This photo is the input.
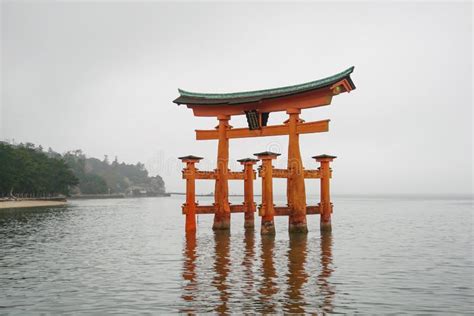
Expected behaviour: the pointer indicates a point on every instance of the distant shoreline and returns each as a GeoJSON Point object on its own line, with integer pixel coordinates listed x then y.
{"type": "Point", "coordinates": [50, 202]}
{"type": "Point", "coordinates": [31, 203]}
{"type": "Point", "coordinates": [113, 196]}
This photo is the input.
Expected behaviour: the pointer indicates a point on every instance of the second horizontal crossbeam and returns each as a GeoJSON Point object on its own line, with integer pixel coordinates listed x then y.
{"type": "Point", "coordinates": [240, 208]}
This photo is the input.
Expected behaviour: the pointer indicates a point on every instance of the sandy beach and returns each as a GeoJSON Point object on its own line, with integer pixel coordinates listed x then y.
{"type": "Point", "coordinates": [30, 203]}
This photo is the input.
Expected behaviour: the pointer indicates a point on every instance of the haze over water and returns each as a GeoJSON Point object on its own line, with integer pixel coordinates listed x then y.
{"type": "Point", "coordinates": [385, 255]}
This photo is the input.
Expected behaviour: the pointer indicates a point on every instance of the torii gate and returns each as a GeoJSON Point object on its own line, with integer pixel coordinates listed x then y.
{"type": "Point", "coordinates": [257, 105]}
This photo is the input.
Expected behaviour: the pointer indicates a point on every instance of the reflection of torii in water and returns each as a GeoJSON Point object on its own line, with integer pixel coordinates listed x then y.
{"type": "Point", "coordinates": [327, 290]}
{"type": "Point", "coordinates": [264, 300]}
{"type": "Point", "coordinates": [297, 275]}
{"type": "Point", "coordinates": [268, 287]}
{"type": "Point", "coordinates": [190, 289]}
{"type": "Point", "coordinates": [222, 269]}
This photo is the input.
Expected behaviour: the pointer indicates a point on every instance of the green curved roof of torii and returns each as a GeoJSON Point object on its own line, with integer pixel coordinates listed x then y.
{"type": "Point", "coordinates": [187, 97]}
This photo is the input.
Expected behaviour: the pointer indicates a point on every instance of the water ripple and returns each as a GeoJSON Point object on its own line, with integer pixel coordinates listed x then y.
{"type": "Point", "coordinates": [385, 256]}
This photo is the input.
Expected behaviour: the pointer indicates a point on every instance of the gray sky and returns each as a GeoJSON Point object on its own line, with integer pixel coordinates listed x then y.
{"type": "Point", "coordinates": [102, 76]}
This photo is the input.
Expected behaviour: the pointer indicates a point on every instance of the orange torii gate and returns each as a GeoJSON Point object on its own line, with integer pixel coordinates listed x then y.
{"type": "Point", "coordinates": [257, 105]}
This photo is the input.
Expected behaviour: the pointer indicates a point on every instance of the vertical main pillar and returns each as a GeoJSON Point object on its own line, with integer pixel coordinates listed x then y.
{"type": "Point", "coordinates": [221, 191]}
{"type": "Point", "coordinates": [189, 173]}
{"type": "Point", "coordinates": [296, 195]}
{"type": "Point", "coordinates": [249, 204]}
{"type": "Point", "coordinates": [267, 209]}
{"type": "Point", "coordinates": [325, 205]}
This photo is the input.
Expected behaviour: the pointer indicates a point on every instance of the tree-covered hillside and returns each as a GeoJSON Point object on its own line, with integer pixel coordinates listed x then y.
{"type": "Point", "coordinates": [100, 176]}
{"type": "Point", "coordinates": [26, 169]}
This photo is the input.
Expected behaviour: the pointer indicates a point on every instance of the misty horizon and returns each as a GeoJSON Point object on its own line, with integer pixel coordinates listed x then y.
{"type": "Point", "coordinates": [72, 79]}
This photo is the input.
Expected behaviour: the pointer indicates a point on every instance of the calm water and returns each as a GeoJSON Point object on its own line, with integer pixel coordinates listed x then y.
{"type": "Point", "coordinates": [131, 255]}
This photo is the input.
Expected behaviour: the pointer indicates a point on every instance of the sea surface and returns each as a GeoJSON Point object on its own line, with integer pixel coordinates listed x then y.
{"type": "Point", "coordinates": [386, 255]}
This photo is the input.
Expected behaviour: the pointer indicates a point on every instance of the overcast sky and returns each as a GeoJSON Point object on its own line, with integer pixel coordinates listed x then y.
{"type": "Point", "coordinates": [101, 77]}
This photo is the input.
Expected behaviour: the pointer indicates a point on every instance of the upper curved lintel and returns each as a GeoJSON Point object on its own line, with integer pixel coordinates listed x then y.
{"type": "Point", "coordinates": [187, 97]}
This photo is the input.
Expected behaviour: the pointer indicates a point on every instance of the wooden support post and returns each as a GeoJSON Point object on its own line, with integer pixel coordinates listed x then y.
{"type": "Point", "coordinates": [267, 209]}
{"type": "Point", "coordinates": [249, 204]}
{"type": "Point", "coordinates": [221, 191]}
{"type": "Point", "coordinates": [325, 205]}
{"type": "Point", "coordinates": [190, 205]}
{"type": "Point", "coordinates": [296, 195]}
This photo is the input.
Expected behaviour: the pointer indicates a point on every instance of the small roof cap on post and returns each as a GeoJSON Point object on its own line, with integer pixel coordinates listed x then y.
{"type": "Point", "coordinates": [324, 157]}
{"type": "Point", "coordinates": [267, 154]}
{"type": "Point", "coordinates": [244, 160]}
{"type": "Point", "coordinates": [190, 158]}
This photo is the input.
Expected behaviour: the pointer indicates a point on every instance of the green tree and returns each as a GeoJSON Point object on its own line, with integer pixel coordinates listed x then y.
{"type": "Point", "coordinates": [26, 169]}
